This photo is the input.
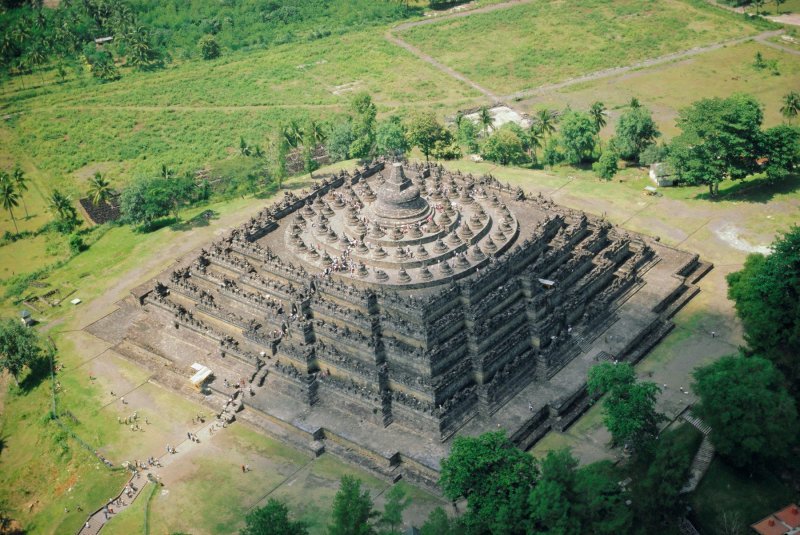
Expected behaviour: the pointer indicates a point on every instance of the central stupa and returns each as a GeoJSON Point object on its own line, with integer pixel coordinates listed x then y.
{"type": "Point", "coordinates": [399, 202]}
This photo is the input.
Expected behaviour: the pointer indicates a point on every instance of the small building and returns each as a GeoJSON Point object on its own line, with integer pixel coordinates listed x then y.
{"type": "Point", "coordinates": [100, 41]}
{"type": "Point", "coordinates": [26, 318]}
{"type": "Point", "coordinates": [662, 174]}
{"type": "Point", "coordinates": [783, 522]}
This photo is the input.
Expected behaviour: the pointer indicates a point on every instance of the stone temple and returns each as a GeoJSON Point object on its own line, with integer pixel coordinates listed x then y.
{"type": "Point", "coordinates": [385, 311]}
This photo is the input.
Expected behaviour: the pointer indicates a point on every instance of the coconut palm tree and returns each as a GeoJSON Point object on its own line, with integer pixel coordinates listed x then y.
{"type": "Point", "coordinates": [791, 105]}
{"type": "Point", "coordinates": [9, 197]}
{"type": "Point", "coordinates": [598, 113]}
{"type": "Point", "coordinates": [61, 205]}
{"type": "Point", "coordinates": [485, 119]}
{"type": "Point", "coordinates": [545, 123]}
{"type": "Point", "coordinates": [292, 134]}
{"type": "Point", "coordinates": [99, 189]}
{"type": "Point", "coordinates": [21, 184]}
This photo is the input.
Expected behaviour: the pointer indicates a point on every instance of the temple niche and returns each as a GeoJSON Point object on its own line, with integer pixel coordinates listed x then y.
{"type": "Point", "coordinates": [388, 309]}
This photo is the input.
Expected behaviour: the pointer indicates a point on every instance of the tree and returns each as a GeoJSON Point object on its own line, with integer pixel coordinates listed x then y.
{"type": "Point", "coordinates": [352, 509]}
{"type": "Point", "coordinates": [606, 167]}
{"type": "Point", "coordinates": [744, 401]}
{"type": "Point", "coordinates": [719, 140]}
{"type": "Point", "coordinates": [552, 499]}
{"type": "Point", "coordinates": [766, 293]}
{"type": "Point", "coordinates": [278, 160]}
{"type": "Point", "coordinates": [99, 189]}
{"type": "Point", "coordinates": [629, 407]}
{"type": "Point", "coordinates": [19, 347]}
{"type": "Point", "coordinates": [146, 200]}
{"type": "Point", "coordinates": [438, 523]}
{"type": "Point", "coordinates": [791, 105]}
{"type": "Point", "coordinates": [467, 135]}
{"type": "Point", "coordinates": [390, 138]}
{"type": "Point", "coordinates": [505, 147]}
{"type": "Point", "coordinates": [61, 205]}
{"type": "Point", "coordinates": [600, 501]}
{"type": "Point", "coordinates": [496, 478]}
{"type": "Point", "coordinates": [21, 185]}
{"type": "Point", "coordinates": [577, 136]}
{"type": "Point", "coordinates": [658, 494]}
{"type": "Point", "coordinates": [272, 519]}
{"type": "Point", "coordinates": [598, 114]}
{"type": "Point", "coordinates": [364, 114]}
{"type": "Point", "coordinates": [339, 140]}
{"type": "Point", "coordinates": [423, 131]}
{"type": "Point", "coordinates": [396, 503]}
{"type": "Point", "coordinates": [209, 47]}
{"type": "Point", "coordinates": [485, 119]}
{"type": "Point", "coordinates": [9, 197]}
{"type": "Point", "coordinates": [778, 6]}
{"type": "Point", "coordinates": [545, 123]}
{"type": "Point", "coordinates": [636, 130]}
{"type": "Point", "coordinates": [758, 4]}
{"type": "Point", "coordinates": [781, 151]}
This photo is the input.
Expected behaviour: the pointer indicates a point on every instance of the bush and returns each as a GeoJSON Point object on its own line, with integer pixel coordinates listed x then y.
{"type": "Point", "coordinates": [606, 167]}
{"type": "Point", "coordinates": [505, 147]}
{"type": "Point", "coordinates": [76, 244]}
{"type": "Point", "coordinates": [653, 154]}
{"type": "Point", "coordinates": [209, 47]}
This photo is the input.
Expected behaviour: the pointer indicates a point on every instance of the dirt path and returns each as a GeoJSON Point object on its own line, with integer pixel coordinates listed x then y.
{"type": "Point", "coordinates": [605, 73]}
{"type": "Point", "coordinates": [97, 520]}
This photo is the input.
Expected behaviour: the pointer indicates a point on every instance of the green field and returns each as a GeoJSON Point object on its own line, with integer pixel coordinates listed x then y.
{"type": "Point", "coordinates": [668, 88]}
{"type": "Point", "coordinates": [545, 42]}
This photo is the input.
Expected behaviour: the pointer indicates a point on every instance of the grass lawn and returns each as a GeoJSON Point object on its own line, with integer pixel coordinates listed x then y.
{"type": "Point", "coordinates": [544, 42]}
{"type": "Point", "coordinates": [744, 499]}
{"type": "Point", "coordinates": [666, 89]}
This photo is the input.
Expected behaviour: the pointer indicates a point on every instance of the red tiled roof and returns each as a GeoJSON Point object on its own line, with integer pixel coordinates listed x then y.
{"type": "Point", "coordinates": [790, 515]}
{"type": "Point", "coordinates": [770, 526]}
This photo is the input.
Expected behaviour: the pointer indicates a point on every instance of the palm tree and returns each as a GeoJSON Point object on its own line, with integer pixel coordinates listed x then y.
{"type": "Point", "coordinates": [292, 134]}
{"type": "Point", "coordinates": [758, 5]}
{"type": "Point", "coordinates": [485, 119]}
{"type": "Point", "coordinates": [317, 132]}
{"type": "Point", "coordinates": [244, 148]}
{"type": "Point", "coordinates": [61, 205]}
{"type": "Point", "coordinates": [99, 189]}
{"type": "Point", "coordinates": [545, 122]}
{"type": "Point", "coordinates": [791, 105]}
{"type": "Point", "coordinates": [21, 184]}
{"type": "Point", "coordinates": [166, 172]}
{"type": "Point", "coordinates": [535, 137]}
{"type": "Point", "coordinates": [9, 197]}
{"type": "Point", "coordinates": [598, 113]}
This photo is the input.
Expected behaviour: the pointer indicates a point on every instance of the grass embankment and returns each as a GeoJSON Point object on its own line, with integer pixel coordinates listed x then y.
{"type": "Point", "coordinates": [545, 42]}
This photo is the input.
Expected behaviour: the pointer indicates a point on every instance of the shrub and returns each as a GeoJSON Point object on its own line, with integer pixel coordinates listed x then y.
{"type": "Point", "coordinates": [209, 47]}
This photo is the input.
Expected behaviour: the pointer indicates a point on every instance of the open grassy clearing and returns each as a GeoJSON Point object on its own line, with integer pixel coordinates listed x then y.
{"type": "Point", "coordinates": [544, 42]}
{"type": "Point", "coordinates": [666, 89]}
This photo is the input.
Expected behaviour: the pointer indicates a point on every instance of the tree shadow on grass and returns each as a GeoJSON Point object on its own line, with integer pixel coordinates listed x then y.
{"type": "Point", "coordinates": [759, 190]}
{"type": "Point", "coordinates": [38, 371]}
{"type": "Point", "coordinates": [202, 219]}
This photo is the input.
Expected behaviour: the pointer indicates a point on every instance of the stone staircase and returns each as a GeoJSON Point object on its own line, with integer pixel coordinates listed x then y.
{"type": "Point", "coordinates": [703, 457]}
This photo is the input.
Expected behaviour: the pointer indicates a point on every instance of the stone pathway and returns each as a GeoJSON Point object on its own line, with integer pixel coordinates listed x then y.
{"type": "Point", "coordinates": [703, 457]}
{"type": "Point", "coordinates": [97, 520]}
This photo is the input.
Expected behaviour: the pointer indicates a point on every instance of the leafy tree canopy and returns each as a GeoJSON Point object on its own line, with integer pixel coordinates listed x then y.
{"type": "Point", "coordinates": [19, 347]}
{"type": "Point", "coordinates": [636, 130]}
{"type": "Point", "coordinates": [495, 476]}
{"type": "Point", "coordinates": [578, 131]}
{"type": "Point", "coordinates": [751, 414]}
{"type": "Point", "coordinates": [607, 166]}
{"type": "Point", "coordinates": [506, 146]}
{"type": "Point", "coordinates": [390, 138]}
{"type": "Point", "coordinates": [629, 407]}
{"type": "Point", "coordinates": [352, 509]}
{"type": "Point", "coordinates": [719, 139]}
{"type": "Point", "coordinates": [424, 131]}
{"type": "Point", "coordinates": [272, 519]}
{"type": "Point", "coordinates": [781, 151]}
{"type": "Point", "coordinates": [766, 293]}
